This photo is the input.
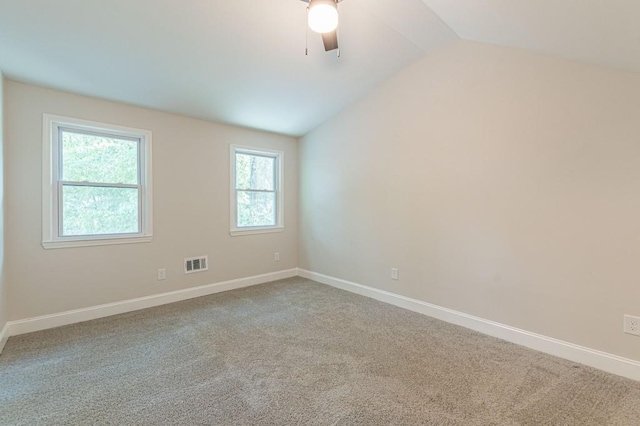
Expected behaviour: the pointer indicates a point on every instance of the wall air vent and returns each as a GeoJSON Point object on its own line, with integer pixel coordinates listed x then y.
{"type": "Point", "coordinates": [196, 264]}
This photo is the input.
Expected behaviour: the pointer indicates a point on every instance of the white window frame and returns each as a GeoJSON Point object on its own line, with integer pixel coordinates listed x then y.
{"type": "Point", "coordinates": [279, 191]}
{"type": "Point", "coordinates": [52, 184]}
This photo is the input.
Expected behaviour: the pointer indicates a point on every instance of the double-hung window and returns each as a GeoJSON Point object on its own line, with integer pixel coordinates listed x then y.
{"type": "Point", "coordinates": [97, 183]}
{"type": "Point", "coordinates": [256, 191]}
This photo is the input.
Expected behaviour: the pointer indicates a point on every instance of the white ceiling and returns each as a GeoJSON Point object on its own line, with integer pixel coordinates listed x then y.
{"type": "Point", "coordinates": [603, 32]}
{"type": "Point", "coordinates": [242, 61]}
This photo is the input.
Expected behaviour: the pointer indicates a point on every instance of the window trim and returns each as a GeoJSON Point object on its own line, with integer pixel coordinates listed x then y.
{"type": "Point", "coordinates": [279, 191]}
{"type": "Point", "coordinates": [52, 185]}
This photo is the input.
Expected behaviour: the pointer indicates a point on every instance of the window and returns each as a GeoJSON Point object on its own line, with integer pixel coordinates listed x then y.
{"type": "Point", "coordinates": [256, 191]}
{"type": "Point", "coordinates": [96, 184]}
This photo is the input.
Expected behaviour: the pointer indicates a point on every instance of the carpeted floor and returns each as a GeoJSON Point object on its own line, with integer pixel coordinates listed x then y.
{"type": "Point", "coordinates": [295, 352]}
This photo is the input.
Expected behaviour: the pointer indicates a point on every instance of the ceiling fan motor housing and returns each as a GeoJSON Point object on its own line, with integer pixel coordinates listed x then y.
{"type": "Point", "coordinates": [329, 32]}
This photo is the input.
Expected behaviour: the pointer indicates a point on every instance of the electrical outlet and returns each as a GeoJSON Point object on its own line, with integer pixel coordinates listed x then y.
{"type": "Point", "coordinates": [395, 273]}
{"type": "Point", "coordinates": [162, 274]}
{"type": "Point", "coordinates": [632, 325]}
{"type": "Point", "coordinates": [277, 257]}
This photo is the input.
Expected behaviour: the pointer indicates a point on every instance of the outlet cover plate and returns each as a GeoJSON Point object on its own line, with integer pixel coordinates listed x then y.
{"type": "Point", "coordinates": [632, 325]}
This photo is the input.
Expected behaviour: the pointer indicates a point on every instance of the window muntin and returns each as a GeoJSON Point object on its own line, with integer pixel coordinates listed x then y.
{"type": "Point", "coordinates": [97, 184]}
{"type": "Point", "coordinates": [256, 186]}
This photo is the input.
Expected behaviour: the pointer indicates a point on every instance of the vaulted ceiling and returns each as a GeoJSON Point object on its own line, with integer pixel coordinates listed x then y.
{"type": "Point", "coordinates": [602, 32]}
{"type": "Point", "coordinates": [243, 62]}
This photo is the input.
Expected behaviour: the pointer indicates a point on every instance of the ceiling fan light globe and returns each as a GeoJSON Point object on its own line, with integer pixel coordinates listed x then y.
{"type": "Point", "coordinates": [323, 18]}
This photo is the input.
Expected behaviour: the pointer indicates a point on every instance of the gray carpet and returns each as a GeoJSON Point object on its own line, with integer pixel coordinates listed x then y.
{"type": "Point", "coordinates": [295, 352]}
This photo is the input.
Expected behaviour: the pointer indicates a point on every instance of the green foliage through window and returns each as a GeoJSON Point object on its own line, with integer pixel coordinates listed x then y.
{"type": "Point", "coordinates": [95, 210]}
{"type": "Point", "coordinates": [98, 159]}
{"type": "Point", "coordinates": [256, 194]}
{"type": "Point", "coordinates": [104, 196]}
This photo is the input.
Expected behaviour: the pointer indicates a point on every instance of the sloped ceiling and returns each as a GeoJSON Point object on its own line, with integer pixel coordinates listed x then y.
{"type": "Point", "coordinates": [240, 61]}
{"type": "Point", "coordinates": [602, 32]}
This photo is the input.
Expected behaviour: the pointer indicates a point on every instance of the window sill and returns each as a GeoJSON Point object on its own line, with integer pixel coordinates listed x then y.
{"type": "Point", "coordinates": [97, 242]}
{"type": "Point", "coordinates": [253, 231]}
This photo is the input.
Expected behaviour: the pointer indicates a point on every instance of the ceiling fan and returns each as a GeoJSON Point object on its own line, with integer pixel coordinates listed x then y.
{"type": "Point", "coordinates": [322, 16]}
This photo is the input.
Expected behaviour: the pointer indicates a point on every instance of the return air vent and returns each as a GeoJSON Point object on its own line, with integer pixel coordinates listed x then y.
{"type": "Point", "coordinates": [196, 264]}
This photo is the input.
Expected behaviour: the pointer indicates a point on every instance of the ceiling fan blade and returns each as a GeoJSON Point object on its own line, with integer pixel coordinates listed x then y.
{"type": "Point", "coordinates": [330, 40]}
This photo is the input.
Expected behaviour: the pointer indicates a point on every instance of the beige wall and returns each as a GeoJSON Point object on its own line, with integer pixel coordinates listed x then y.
{"type": "Point", "coordinates": [191, 209]}
{"type": "Point", "coordinates": [502, 183]}
{"type": "Point", "coordinates": [3, 288]}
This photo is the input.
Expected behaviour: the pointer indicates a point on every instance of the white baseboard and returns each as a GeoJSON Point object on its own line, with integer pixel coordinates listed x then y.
{"type": "Point", "coordinates": [4, 336]}
{"type": "Point", "coordinates": [44, 322]}
{"type": "Point", "coordinates": [580, 354]}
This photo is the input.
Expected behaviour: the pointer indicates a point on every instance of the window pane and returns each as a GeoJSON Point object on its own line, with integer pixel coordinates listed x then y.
{"type": "Point", "coordinates": [91, 210]}
{"type": "Point", "coordinates": [256, 209]}
{"type": "Point", "coordinates": [100, 159]}
{"type": "Point", "coordinates": [255, 172]}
